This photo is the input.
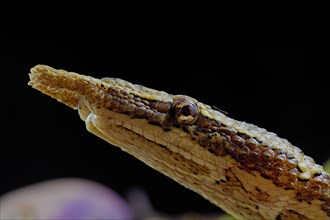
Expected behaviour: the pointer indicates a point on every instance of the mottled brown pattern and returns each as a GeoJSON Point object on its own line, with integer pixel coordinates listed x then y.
{"type": "Point", "coordinates": [221, 140]}
{"type": "Point", "coordinates": [290, 215]}
{"type": "Point", "coordinates": [241, 149]}
{"type": "Point", "coordinates": [326, 207]}
{"type": "Point", "coordinates": [252, 155]}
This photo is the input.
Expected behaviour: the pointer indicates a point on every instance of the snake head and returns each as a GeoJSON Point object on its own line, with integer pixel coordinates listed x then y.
{"type": "Point", "coordinates": [196, 145]}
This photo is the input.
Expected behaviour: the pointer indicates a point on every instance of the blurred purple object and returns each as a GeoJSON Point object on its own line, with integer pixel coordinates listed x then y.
{"type": "Point", "coordinates": [64, 199]}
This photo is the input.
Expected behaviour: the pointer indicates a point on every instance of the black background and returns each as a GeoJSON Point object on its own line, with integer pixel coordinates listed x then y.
{"type": "Point", "coordinates": [265, 64]}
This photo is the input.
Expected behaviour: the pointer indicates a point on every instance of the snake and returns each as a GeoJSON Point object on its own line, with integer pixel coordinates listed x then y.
{"type": "Point", "coordinates": [243, 169]}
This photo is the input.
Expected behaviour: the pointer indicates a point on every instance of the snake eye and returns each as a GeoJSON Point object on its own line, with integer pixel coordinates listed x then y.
{"type": "Point", "coordinates": [184, 110]}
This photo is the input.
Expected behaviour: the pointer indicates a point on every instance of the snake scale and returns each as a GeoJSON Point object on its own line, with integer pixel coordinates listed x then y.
{"type": "Point", "coordinates": [245, 170]}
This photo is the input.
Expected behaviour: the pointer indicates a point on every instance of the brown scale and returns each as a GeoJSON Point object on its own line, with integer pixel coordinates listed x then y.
{"type": "Point", "coordinates": [252, 155]}
{"type": "Point", "coordinates": [124, 102]}
{"type": "Point", "coordinates": [272, 164]}
{"type": "Point", "coordinates": [135, 107]}
{"type": "Point", "coordinates": [222, 140]}
{"type": "Point", "coordinates": [163, 107]}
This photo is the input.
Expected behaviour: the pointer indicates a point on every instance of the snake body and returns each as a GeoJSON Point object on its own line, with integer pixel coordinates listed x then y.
{"type": "Point", "coordinates": [243, 169]}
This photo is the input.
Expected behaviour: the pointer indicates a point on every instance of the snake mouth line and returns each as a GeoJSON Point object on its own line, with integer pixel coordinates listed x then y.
{"type": "Point", "coordinates": [135, 143]}
{"type": "Point", "coordinates": [150, 133]}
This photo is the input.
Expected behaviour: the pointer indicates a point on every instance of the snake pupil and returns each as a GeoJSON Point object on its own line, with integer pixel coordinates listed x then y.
{"type": "Point", "coordinates": [185, 110]}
